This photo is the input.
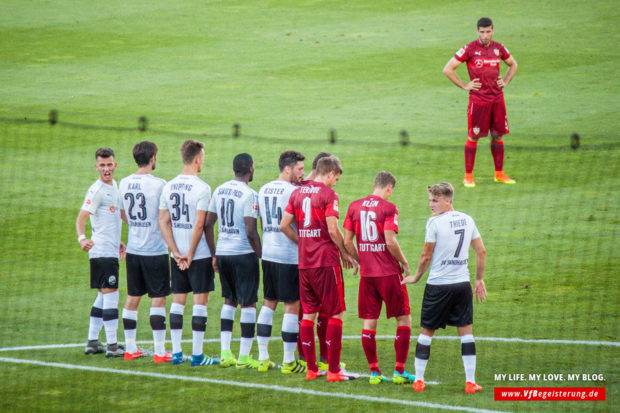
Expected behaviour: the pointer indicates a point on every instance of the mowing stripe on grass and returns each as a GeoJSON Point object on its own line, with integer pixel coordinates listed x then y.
{"type": "Point", "coordinates": [248, 385]}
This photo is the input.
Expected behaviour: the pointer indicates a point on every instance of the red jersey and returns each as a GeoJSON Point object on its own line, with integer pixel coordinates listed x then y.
{"type": "Point", "coordinates": [310, 204]}
{"type": "Point", "coordinates": [483, 64]}
{"type": "Point", "coordinates": [369, 218]}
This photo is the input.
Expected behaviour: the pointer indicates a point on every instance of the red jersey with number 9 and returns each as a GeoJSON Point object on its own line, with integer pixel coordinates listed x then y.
{"type": "Point", "coordinates": [310, 204]}
{"type": "Point", "coordinates": [369, 218]}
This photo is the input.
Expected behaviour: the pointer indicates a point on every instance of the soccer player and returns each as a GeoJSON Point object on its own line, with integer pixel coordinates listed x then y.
{"type": "Point", "coordinates": [279, 262]}
{"type": "Point", "coordinates": [148, 270]}
{"type": "Point", "coordinates": [373, 221]}
{"type": "Point", "coordinates": [448, 296]}
{"type": "Point", "coordinates": [182, 207]}
{"type": "Point", "coordinates": [235, 207]}
{"type": "Point", "coordinates": [104, 207]}
{"type": "Point", "coordinates": [314, 208]}
{"type": "Point", "coordinates": [486, 109]}
{"type": "Point", "coordinates": [315, 162]}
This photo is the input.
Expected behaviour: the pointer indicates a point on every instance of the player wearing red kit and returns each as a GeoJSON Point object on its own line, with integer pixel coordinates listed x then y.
{"type": "Point", "coordinates": [486, 110]}
{"type": "Point", "coordinates": [374, 223]}
{"type": "Point", "coordinates": [314, 209]}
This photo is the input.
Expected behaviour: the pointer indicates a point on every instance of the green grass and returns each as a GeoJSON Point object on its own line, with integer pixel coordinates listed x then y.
{"type": "Point", "coordinates": [288, 72]}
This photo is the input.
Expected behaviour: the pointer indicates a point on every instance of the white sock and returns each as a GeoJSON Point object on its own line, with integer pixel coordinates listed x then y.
{"type": "Point", "coordinates": [469, 361]}
{"type": "Point", "coordinates": [159, 336]}
{"type": "Point", "coordinates": [130, 334]}
{"type": "Point", "coordinates": [264, 323]}
{"type": "Point", "coordinates": [290, 328]}
{"type": "Point", "coordinates": [175, 334]}
{"type": "Point", "coordinates": [96, 322]}
{"type": "Point", "coordinates": [110, 316]}
{"type": "Point", "coordinates": [247, 321]}
{"type": "Point", "coordinates": [198, 332]}
{"type": "Point", "coordinates": [420, 364]}
{"type": "Point", "coordinates": [227, 315]}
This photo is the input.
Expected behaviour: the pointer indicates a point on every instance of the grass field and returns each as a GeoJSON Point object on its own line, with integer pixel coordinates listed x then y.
{"type": "Point", "coordinates": [288, 72]}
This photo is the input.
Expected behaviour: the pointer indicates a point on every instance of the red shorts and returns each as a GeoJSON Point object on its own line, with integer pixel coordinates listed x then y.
{"type": "Point", "coordinates": [321, 290]}
{"type": "Point", "coordinates": [481, 118]}
{"type": "Point", "coordinates": [377, 290]}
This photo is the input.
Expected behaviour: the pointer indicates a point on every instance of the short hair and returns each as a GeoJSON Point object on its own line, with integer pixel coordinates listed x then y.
{"type": "Point", "coordinates": [441, 189]}
{"type": "Point", "coordinates": [104, 153]}
{"type": "Point", "coordinates": [485, 22]}
{"type": "Point", "coordinates": [383, 179]}
{"type": "Point", "coordinates": [190, 149]}
{"type": "Point", "coordinates": [242, 164]}
{"type": "Point", "coordinates": [329, 164]}
{"type": "Point", "coordinates": [289, 158]}
{"type": "Point", "coordinates": [143, 152]}
{"type": "Point", "coordinates": [315, 161]}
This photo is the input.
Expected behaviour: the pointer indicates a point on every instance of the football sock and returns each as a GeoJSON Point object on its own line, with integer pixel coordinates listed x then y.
{"type": "Point", "coordinates": [470, 155]}
{"type": "Point", "coordinates": [321, 332]}
{"type": "Point", "coordinates": [130, 321]}
{"type": "Point", "coordinates": [199, 325]}
{"type": "Point", "coordinates": [176, 326]}
{"type": "Point", "coordinates": [263, 331]}
{"type": "Point", "coordinates": [306, 334]}
{"type": "Point", "coordinates": [422, 353]}
{"type": "Point", "coordinates": [497, 150]}
{"type": "Point", "coordinates": [468, 352]}
{"type": "Point", "coordinates": [300, 347]}
{"type": "Point", "coordinates": [248, 323]}
{"type": "Point", "coordinates": [401, 346]}
{"type": "Point", "coordinates": [227, 318]}
{"type": "Point", "coordinates": [334, 343]}
{"type": "Point", "coordinates": [158, 325]}
{"type": "Point", "coordinates": [290, 333]}
{"type": "Point", "coordinates": [369, 344]}
{"type": "Point", "coordinates": [110, 316]}
{"type": "Point", "coordinates": [96, 320]}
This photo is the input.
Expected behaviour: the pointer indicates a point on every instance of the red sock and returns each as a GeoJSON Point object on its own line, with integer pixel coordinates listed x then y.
{"type": "Point", "coordinates": [497, 150]}
{"type": "Point", "coordinates": [306, 333]}
{"type": "Point", "coordinates": [321, 331]}
{"type": "Point", "coordinates": [334, 343]}
{"type": "Point", "coordinates": [300, 349]}
{"type": "Point", "coordinates": [401, 345]}
{"type": "Point", "coordinates": [470, 155]}
{"type": "Point", "coordinates": [369, 344]}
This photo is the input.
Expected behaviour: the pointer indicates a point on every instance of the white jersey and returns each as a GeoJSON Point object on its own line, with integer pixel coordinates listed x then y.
{"type": "Point", "coordinates": [232, 201]}
{"type": "Point", "coordinates": [272, 200]}
{"type": "Point", "coordinates": [452, 233]}
{"type": "Point", "coordinates": [104, 204]}
{"type": "Point", "coordinates": [182, 196]}
{"type": "Point", "coordinates": [140, 194]}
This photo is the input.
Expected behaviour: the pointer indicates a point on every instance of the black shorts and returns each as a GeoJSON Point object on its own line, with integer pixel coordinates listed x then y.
{"type": "Point", "coordinates": [148, 274]}
{"type": "Point", "coordinates": [198, 278]}
{"type": "Point", "coordinates": [450, 304]}
{"type": "Point", "coordinates": [239, 277]}
{"type": "Point", "coordinates": [104, 272]}
{"type": "Point", "coordinates": [280, 281]}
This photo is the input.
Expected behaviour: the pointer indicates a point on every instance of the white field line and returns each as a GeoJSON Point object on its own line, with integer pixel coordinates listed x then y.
{"type": "Point", "coordinates": [246, 385]}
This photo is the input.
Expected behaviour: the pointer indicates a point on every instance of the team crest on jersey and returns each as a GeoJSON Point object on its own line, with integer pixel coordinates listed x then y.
{"type": "Point", "coordinates": [112, 209]}
{"type": "Point", "coordinates": [496, 51]}
{"type": "Point", "coordinates": [88, 202]}
{"type": "Point", "coordinates": [112, 280]}
{"type": "Point", "coordinates": [476, 131]}
{"type": "Point", "coordinates": [335, 205]}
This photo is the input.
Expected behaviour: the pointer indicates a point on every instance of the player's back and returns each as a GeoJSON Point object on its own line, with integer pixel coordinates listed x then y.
{"type": "Point", "coordinates": [140, 194]}
{"type": "Point", "coordinates": [182, 196]}
{"type": "Point", "coordinates": [272, 200]}
{"type": "Point", "coordinates": [104, 203]}
{"type": "Point", "coordinates": [232, 202]}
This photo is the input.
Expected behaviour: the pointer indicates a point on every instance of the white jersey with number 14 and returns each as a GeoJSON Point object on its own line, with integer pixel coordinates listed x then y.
{"type": "Point", "coordinates": [272, 200]}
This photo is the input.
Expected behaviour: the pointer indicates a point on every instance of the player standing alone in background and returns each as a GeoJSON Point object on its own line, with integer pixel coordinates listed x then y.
{"type": "Point", "coordinates": [448, 296]}
{"type": "Point", "coordinates": [104, 207]}
{"type": "Point", "coordinates": [148, 270]}
{"type": "Point", "coordinates": [486, 109]}
{"type": "Point", "coordinates": [374, 223]}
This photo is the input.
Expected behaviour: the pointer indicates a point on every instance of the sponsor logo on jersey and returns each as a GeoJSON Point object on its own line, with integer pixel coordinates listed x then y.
{"type": "Point", "coordinates": [335, 205]}
{"type": "Point", "coordinates": [112, 209]}
{"type": "Point", "coordinates": [496, 51]}
{"type": "Point", "coordinates": [478, 63]}
{"type": "Point", "coordinates": [476, 130]}
{"type": "Point", "coordinates": [461, 52]}
{"type": "Point", "coordinates": [396, 219]}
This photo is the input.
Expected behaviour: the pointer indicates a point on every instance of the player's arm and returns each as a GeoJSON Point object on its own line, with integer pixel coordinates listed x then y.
{"type": "Point", "coordinates": [450, 71]}
{"type": "Point", "coordinates": [196, 235]}
{"type": "Point", "coordinates": [285, 227]}
{"type": "Point", "coordinates": [210, 236]}
{"type": "Point", "coordinates": [124, 216]}
{"type": "Point", "coordinates": [394, 248]}
{"type": "Point", "coordinates": [510, 73]}
{"type": "Point", "coordinates": [425, 261]}
{"type": "Point", "coordinates": [80, 227]}
{"type": "Point", "coordinates": [481, 258]}
{"type": "Point", "coordinates": [165, 226]}
{"type": "Point", "coordinates": [337, 238]}
{"type": "Point", "coordinates": [349, 244]}
{"type": "Point", "coordinates": [252, 233]}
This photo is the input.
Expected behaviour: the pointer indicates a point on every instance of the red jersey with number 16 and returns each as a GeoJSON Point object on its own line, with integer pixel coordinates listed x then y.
{"type": "Point", "coordinates": [310, 204]}
{"type": "Point", "coordinates": [369, 218]}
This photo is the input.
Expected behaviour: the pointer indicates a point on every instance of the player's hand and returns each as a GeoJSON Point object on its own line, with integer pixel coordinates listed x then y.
{"type": "Point", "coordinates": [480, 290]}
{"type": "Point", "coordinates": [411, 279]}
{"type": "Point", "coordinates": [122, 251]}
{"type": "Point", "coordinates": [186, 260]}
{"type": "Point", "coordinates": [406, 269]}
{"type": "Point", "coordinates": [177, 258]}
{"type": "Point", "coordinates": [474, 84]}
{"type": "Point", "coordinates": [500, 82]}
{"type": "Point", "coordinates": [86, 244]}
{"type": "Point", "coordinates": [214, 264]}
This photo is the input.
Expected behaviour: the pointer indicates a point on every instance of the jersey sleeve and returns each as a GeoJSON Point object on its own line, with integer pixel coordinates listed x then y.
{"type": "Point", "coordinates": [204, 199]}
{"type": "Point", "coordinates": [474, 234]}
{"type": "Point", "coordinates": [348, 220]}
{"type": "Point", "coordinates": [461, 55]}
{"type": "Point", "coordinates": [431, 231]}
{"type": "Point", "coordinates": [163, 202]}
{"type": "Point", "coordinates": [212, 207]}
{"type": "Point", "coordinates": [289, 207]}
{"type": "Point", "coordinates": [391, 220]}
{"type": "Point", "coordinates": [91, 201]}
{"type": "Point", "coordinates": [250, 206]}
{"type": "Point", "coordinates": [331, 205]}
{"type": "Point", "coordinates": [503, 52]}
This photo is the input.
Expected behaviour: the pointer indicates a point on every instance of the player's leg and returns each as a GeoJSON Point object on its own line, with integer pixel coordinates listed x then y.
{"type": "Point", "coordinates": [130, 322]}
{"type": "Point", "coordinates": [227, 313]}
{"type": "Point", "coordinates": [246, 274]}
{"type": "Point", "coordinates": [369, 304]}
{"type": "Point", "coordinates": [422, 354]}
{"type": "Point", "coordinates": [290, 334]}
{"type": "Point", "coordinates": [158, 288]}
{"type": "Point", "coordinates": [462, 316]}
{"type": "Point", "coordinates": [396, 300]}
{"type": "Point", "coordinates": [478, 118]}
{"type": "Point", "coordinates": [369, 344]}
{"type": "Point", "coordinates": [93, 346]}
{"type": "Point", "coordinates": [468, 353]}
{"type": "Point", "coordinates": [310, 305]}
{"type": "Point", "coordinates": [201, 278]}
{"type": "Point", "coordinates": [471, 145]}
{"type": "Point", "coordinates": [180, 288]}
{"type": "Point", "coordinates": [110, 306]}
{"type": "Point", "coordinates": [265, 317]}
{"type": "Point", "coordinates": [499, 128]}
{"type": "Point", "coordinates": [321, 332]}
